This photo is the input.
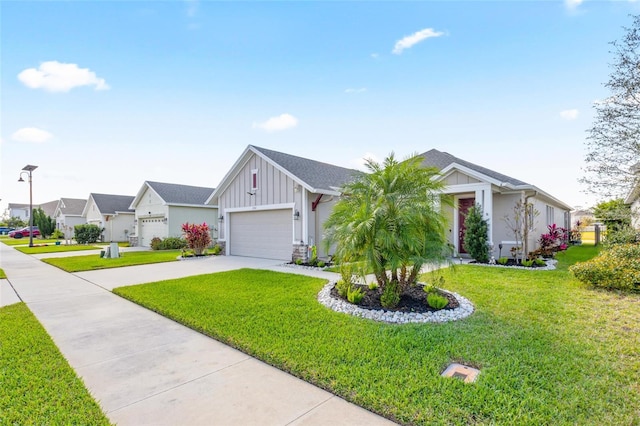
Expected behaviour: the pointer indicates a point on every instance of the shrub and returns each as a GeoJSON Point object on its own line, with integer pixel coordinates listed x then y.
{"type": "Point", "coordinates": [437, 301]}
{"type": "Point", "coordinates": [615, 268]}
{"type": "Point", "coordinates": [87, 233]}
{"type": "Point", "coordinates": [390, 295]}
{"type": "Point", "coordinates": [321, 264]}
{"type": "Point", "coordinates": [298, 262]}
{"type": "Point", "coordinates": [624, 234]}
{"type": "Point", "coordinates": [475, 237]}
{"type": "Point", "coordinates": [216, 250]}
{"type": "Point", "coordinates": [155, 243]}
{"type": "Point", "coordinates": [373, 285]}
{"type": "Point", "coordinates": [540, 262]}
{"type": "Point", "coordinates": [354, 294]}
{"type": "Point", "coordinates": [503, 260]}
{"type": "Point", "coordinates": [343, 287]}
{"type": "Point", "coordinates": [197, 237]}
{"type": "Point", "coordinates": [57, 234]}
{"type": "Point", "coordinates": [527, 263]}
{"type": "Point", "coordinates": [173, 243]}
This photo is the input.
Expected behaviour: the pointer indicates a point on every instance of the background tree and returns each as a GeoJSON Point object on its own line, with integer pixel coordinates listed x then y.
{"type": "Point", "coordinates": [390, 219]}
{"type": "Point", "coordinates": [16, 223]}
{"type": "Point", "coordinates": [475, 237]}
{"type": "Point", "coordinates": [613, 144]}
{"type": "Point", "coordinates": [46, 225]}
{"type": "Point", "coordinates": [615, 214]}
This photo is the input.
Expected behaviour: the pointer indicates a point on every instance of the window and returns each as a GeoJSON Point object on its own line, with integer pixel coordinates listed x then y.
{"type": "Point", "coordinates": [550, 215]}
{"type": "Point", "coordinates": [254, 179]}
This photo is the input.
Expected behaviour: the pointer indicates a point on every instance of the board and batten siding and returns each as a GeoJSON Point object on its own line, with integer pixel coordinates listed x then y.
{"type": "Point", "coordinates": [458, 178]}
{"type": "Point", "coordinates": [274, 188]}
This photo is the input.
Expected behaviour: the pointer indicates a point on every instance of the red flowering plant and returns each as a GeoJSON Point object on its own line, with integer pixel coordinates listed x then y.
{"type": "Point", "coordinates": [553, 241]}
{"type": "Point", "coordinates": [197, 236]}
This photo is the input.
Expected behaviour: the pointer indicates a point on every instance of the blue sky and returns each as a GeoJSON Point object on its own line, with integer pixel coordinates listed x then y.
{"type": "Point", "coordinates": [105, 95]}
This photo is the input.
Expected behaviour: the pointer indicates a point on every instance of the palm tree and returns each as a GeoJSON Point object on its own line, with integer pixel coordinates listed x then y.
{"type": "Point", "coordinates": [390, 220]}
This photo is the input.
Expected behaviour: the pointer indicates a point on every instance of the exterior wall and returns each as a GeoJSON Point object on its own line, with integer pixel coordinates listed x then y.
{"type": "Point", "coordinates": [93, 214]}
{"type": "Point", "coordinates": [119, 227]}
{"type": "Point", "coordinates": [150, 205]}
{"type": "Point", "coordinates": [21, 213]}
{"type": "Point", "coordinates": [448, 212]}
{"type": "Point", "coordinates": [635, 214]}
{"type": "Point", "coordinates": [66, 224]}
{"type": "Point", "coordinates": [179, 215]}
{"type": "Point", "coordinates": [274, 190]}
{"type": "Point", "coordinates": [503, 205]}
{"type": "Point", "coordinates": [316, 222]}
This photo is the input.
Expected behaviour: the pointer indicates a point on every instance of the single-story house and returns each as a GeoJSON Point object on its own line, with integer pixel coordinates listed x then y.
{"type": "Point", "coordinates": [49, 208]}
{"type": "Point", "coordinates": [273, 205]}
{"type": "Point", "coordinates": [497, 194]}
{"type": "Point", "coordinates": [161, 209]}
{"type": "Point", "coordinates": [112, 213]}
{"type": "Point", "coordinates": [633, 198]}
{"type": "Point", "coordinates": [68, 214]}
{"type": "Point", "coordinates": [21, 211]}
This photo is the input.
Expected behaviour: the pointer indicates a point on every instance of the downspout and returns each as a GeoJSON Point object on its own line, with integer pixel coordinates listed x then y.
{"type": "Point", "coordinates": [525, 243]}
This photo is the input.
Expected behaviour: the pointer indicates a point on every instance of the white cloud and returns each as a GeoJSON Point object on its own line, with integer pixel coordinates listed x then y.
{"type": "Point", "coordinates": [360, 90]}
{"type": "Point", "coordinates": [408, 41]}
{"type": "Point", "coordinates": [31, 134]}
{"type": "Point", "coordinates": [54, 76]}
{"type": "Point", "coordinates": [275, 124]}
{"type": "Point", "coordinates": [359, 163]}
{"type": "Point", "coordinates": [569, 114]}
{"type": "Point", "coordinates": [572, 4]}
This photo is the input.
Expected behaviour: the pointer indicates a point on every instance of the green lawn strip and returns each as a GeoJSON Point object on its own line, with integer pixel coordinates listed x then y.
{"type": "Point", "coordinates": [55, 249]}
{"type": "Point", "coordinates": [25, 241]}
{"type": "Point", "coordinates": [551, 351]}
{"type": "Point", "coordinates": [2, 274]}
{"type": "Point", "coordinates": [92, 262]}
{"type": "Point", "coordinates": [37, 385]}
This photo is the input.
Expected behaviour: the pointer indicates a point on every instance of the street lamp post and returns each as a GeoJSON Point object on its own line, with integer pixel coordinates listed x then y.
{"type": "Point", "coordinates": [28, 169]}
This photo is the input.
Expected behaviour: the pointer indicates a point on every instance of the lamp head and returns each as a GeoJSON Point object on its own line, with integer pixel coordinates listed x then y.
{"type": "Point", "coordinates": [21, 180]}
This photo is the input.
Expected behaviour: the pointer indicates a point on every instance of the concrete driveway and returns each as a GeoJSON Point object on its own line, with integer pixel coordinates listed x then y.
{"type": "Point", "coordinates": [146, 369]}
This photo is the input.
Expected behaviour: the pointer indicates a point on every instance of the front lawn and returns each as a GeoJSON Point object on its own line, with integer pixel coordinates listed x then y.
{"type": "Point", "coordinates": [2, 274]}
{"type": "Point", "coordinates": [92, 262]}
{"type": "Point", "coordinates": [52, 248]}
{"type": "Point", "coordinates": [550, 350]}
{"type": "Point", "coordinates": [24, 241]}
{"type": "Point", "coordinates": [37, 385]}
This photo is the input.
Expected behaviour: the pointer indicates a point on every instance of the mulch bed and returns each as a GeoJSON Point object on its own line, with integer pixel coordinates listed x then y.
{"type": "Point", "coordinates": [412, 300]}
{"type": "Point", "coordinates": [510, 262]}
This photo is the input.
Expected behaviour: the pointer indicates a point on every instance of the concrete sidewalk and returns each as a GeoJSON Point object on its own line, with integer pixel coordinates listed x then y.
{"type": "Point", "coordinates": [145, 369]}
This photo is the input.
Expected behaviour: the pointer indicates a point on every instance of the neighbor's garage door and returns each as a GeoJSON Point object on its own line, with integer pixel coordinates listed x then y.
{"type": "Point", "coordinates": [263, 233]}
{"type": "Point", "coordinates": [151, 228]}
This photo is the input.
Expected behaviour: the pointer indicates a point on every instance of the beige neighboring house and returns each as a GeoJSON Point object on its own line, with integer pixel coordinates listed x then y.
{"type": "Point", "coordinates": [273, 205]}
{"type": "Point", "coordinates": [633, 199]}
{"type": "Point", "coordinates": [112, 213]}
{"type": "Point", "coordinates": [497, 194]}
{"type": "Point", "coordinates": [68, 214]}
{"type": "Point", "coordinates": [161, 209]}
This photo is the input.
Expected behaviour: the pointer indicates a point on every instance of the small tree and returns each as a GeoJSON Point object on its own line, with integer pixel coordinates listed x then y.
{"type": "Point", "coordinates": [520, 223]}
{"type": "Point", "coordinates": [45, 223]}
{"type": "Point", "coordinates": [475, 237]}
{"type": "Point", "coordinates": [87, 233]}
{"type": "Point", "coordinates": [197, 236]}
{"type": "Point", "coordinates": [16, 223]}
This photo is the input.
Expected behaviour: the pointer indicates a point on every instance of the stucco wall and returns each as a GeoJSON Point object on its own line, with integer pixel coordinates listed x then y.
{"type": "Point", "coordinates": [179, 215]}
{"type": "Point", "coordinates": [150, 204]}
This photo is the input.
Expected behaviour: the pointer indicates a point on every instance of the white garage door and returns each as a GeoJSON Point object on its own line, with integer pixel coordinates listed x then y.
{"type": "Point", "coordinates": [264, 233]}
{"type": "Point", "coordinates": [151, 228]}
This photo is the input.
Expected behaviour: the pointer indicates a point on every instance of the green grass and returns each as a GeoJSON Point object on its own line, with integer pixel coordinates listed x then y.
{"type": "Point", "coordinates": [2, 274]}
{"type": "Point", "coordinates": [92, 262]}
{"type": "Point", "coordinates": [55, 249]}
{"type": "Point", "coordinates": [37, 385]}
{"type": "Point", "coordinates": [551, 351]}
{"type": "Point", "coordinates": [25, 241]}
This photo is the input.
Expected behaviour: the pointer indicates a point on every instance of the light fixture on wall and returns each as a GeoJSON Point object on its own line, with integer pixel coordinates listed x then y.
{"type": "Point", "coordinates": [296, 187]}
{"type": "Point", "coordinates": [221, 218]}
{"type": "Point", "coordinates": [296, 215]}
{"type": "Point", "coordinates": [251, 193]}
{"type": "Point", "coordinates": [164, 220]}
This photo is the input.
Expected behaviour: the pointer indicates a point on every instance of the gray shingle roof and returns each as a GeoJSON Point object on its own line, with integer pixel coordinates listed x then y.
{"type": "Point", "coordinates": [440, 160]}
{"type": "Point", "coordinates": [71, 206]}
{"type": "Point", "coordinates": [173, 193]}
{"type": "Point", "coordinates": [314, 173]}
{"type": "Point", "coordinates": [49, 208]}
{"type": "Point", "coordinates": [110, 204]}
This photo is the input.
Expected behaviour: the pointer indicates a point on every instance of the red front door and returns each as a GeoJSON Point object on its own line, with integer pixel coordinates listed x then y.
{"type": "Point", "coordinates": [464, 204]}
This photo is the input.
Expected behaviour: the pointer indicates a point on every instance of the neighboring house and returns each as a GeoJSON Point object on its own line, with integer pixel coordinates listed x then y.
{"type": "Point", "coordinates": [497, 194]}
{"type": "Point", "coordinates": [68, 214]}
{"type": "Point", "coordinates": [273, 205]}
{"type": "Point", "coordinates": [21, 211]}
{"type": "Point", "coordinates": [49, 208]}
{"type": "Point", "coordinates": [633, 199]}
{"type": "Point", "coordinates": [112, 213]}
{"type": "Point", "coordinates": [162, 208]}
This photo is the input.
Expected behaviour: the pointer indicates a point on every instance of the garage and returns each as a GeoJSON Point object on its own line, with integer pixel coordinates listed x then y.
{"type": "Point", "coordinates": [263, 233]}
{"type": "Point", "coordinates": [152, 227]}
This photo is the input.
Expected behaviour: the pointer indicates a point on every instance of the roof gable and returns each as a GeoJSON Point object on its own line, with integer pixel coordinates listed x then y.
{"type": "Point", "coordinates": [112, 204]}
{"type": "Point", "coordinates": [71, 206]}
{"type": "Point", "coordinates": [176, 194]}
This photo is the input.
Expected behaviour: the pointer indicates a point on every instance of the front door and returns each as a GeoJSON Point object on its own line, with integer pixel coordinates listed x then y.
{"type": "Point", "coordinates": [464, 204]}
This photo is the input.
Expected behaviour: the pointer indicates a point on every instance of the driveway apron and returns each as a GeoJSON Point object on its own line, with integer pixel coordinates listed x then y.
{"type": "Point", "coordinates": [146, 369]}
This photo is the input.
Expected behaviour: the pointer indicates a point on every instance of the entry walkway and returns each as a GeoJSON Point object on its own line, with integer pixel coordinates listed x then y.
{"type": "Point", "coordinates": [146, 369]}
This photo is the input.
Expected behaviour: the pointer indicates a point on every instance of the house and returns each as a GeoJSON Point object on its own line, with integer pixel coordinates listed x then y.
{"type": "Point", "coordinates": [273, 205]}
{"type": "Point", "coordinates": [68, 214]}
{"type": "Point", "coordinates": [161, 209]}
{"type": "Point", "coordinates": [633, 198]}
{"type": "Point", "coordinates": [49, 208]}
{"type": "Point", "coordinates": [112, 213]}
{"type": "Point", "coordinates": [497, 194]}
{"type": "Point", "coordinates": [21, 211]}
